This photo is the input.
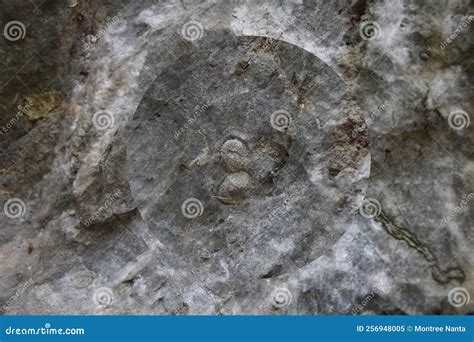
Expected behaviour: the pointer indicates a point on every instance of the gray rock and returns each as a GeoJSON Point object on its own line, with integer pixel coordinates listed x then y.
{"type": "Point", "coordinates": [91, 70]}
{"type": "Point", "coordinates": [258, 215]}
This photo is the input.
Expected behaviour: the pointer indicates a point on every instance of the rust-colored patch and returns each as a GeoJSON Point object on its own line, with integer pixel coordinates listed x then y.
{"type": "Point", "coordinates": [339, 13]}
{"type": "Point", "coordinates": [241, 67]}
{"type": "Point", "coordinates": [354, 20]}
{"type": "Point", "coordinates": [266, 44]}
{"type": "Point", "coordinates": [80, 17]}
{"type": "Point", "coordinates": [30, 248]}
{"type": "Point", "coordinates": [40, 105]}
{"type": "Point", "coordinates": [301, 89]}
{"type": "Point", "coordinates": [350, 142]}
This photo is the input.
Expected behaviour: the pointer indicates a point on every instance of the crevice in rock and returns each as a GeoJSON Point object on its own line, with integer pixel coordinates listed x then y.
{"type": "Point", "coordinates": [439, 275]}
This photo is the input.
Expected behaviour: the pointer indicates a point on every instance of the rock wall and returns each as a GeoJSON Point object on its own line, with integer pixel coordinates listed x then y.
{"type": "Point", "coordinates": [236, 157]}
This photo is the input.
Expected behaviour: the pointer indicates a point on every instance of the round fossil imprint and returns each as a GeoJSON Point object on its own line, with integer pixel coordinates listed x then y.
{"type": "Point", "coordinates": [234, 155]}
{"type": "Point", "coordinates": [273, 191]}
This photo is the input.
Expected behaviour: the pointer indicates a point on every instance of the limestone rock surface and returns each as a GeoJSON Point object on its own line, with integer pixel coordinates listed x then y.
{"type": "Point", "coordinates": [236, 157]}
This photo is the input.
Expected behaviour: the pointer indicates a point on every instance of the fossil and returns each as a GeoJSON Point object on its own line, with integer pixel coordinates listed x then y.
{"type": "Point", "coordinates": [263, 145]}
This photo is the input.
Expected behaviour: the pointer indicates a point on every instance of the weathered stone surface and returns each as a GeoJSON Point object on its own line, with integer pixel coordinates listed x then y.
{"type": "Point", "coordinates": [288, 195]}
{"type": "Point", "coordinates": [83, 239]}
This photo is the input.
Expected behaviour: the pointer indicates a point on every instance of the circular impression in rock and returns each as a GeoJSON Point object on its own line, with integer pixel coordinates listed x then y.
{"type": "Point", "coordinates": [246, 156]}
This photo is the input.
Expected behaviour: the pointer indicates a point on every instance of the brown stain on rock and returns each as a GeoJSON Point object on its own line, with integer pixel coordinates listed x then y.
{"type": "Point", "coordinates": [40, 105]}
{"type": "Point", "coordinates": [351, 135]}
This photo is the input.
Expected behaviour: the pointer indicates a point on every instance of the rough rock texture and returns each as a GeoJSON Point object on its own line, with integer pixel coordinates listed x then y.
{"type": "Point", "coordinates": [129, 109]}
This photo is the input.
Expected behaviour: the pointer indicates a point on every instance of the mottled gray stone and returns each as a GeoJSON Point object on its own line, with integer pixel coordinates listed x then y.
{"type": "Point", "coordinates": [282, 110]}
{"type": "Point", "coordinates": [75, 62]}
